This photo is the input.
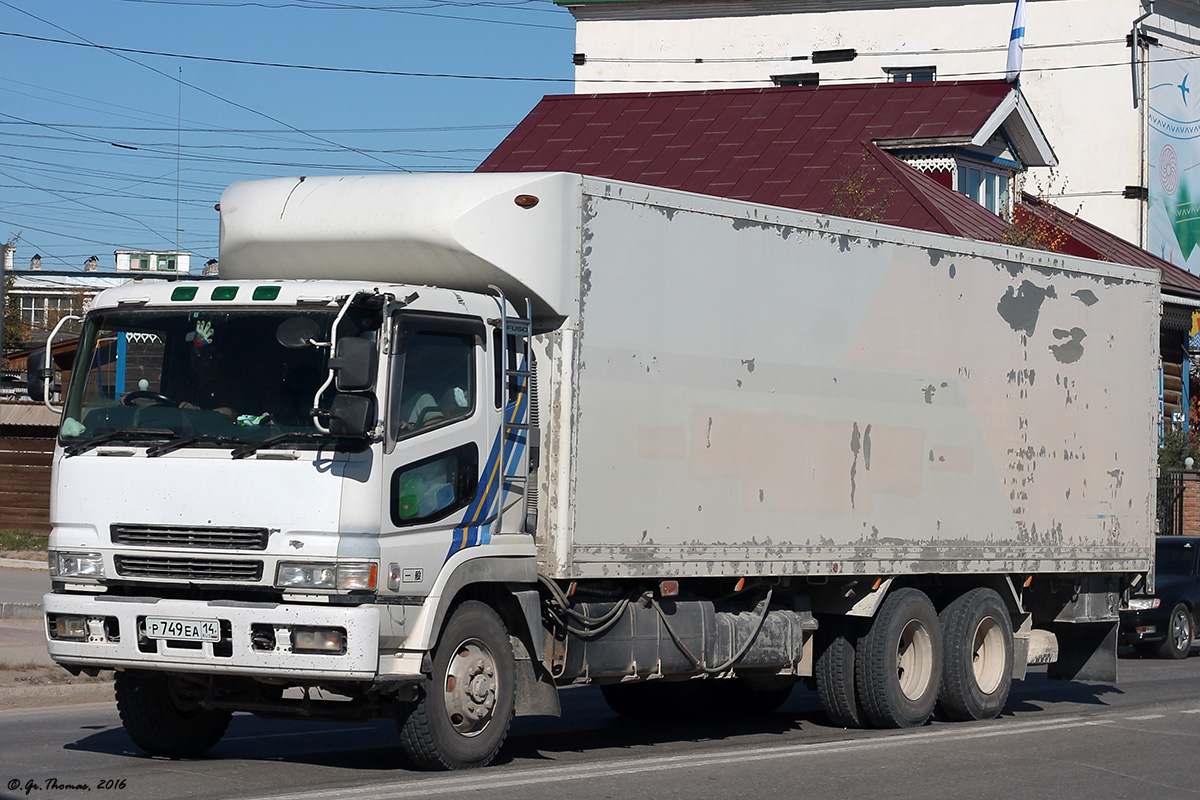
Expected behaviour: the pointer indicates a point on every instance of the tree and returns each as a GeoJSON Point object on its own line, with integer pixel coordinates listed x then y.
{"type": "Point", "coordinates": [14, 330]}
{"type": "Point", "coordinates": [1037, 223]}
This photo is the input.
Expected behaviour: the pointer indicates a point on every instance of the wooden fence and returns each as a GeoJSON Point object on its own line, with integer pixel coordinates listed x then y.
{"type": "Point", "coordinates": [25, 481]}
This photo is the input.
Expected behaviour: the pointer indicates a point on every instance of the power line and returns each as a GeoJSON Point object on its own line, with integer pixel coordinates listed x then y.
{"type": "Point", "coordinates": [527, 78]}
{"type": "Point", "coordinates": [278, 65]}
{"type": "Point", "coordinates": [119, 54]}
{"type": "Point", "coordinates": [393, 9]}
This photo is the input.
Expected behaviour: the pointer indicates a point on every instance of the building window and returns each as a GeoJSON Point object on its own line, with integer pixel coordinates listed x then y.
{"type": "Point", "coordinates": [33, 310]}
{"type": "Point", "coordinates": [166, 263]}
{"type": "Point", "coordinates": [798, 79]}
{"type": "Point", "coordinates": [910, 74]}
{"type": "Point", "coordinates": [988, 187]}
{"type": "Point", "coordinates": [139, 262]}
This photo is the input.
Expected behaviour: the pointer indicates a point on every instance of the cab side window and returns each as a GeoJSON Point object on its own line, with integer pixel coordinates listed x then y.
{"type": "Point", "coordinates": [433, 380]}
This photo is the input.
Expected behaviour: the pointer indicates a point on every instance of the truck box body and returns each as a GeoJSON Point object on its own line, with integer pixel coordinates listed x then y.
{"type": "Point", "coordinates": [740, 390]}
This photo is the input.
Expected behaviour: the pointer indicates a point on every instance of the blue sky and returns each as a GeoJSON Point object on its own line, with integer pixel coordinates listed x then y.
{"type": "Point", "coordinates": [121, 121]}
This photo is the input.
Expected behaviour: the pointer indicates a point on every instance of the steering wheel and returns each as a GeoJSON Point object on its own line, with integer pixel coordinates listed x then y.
{"type": "Point", "coordinates": [156, 399]}
{"type": "Point", "coordinates": [429, 416]}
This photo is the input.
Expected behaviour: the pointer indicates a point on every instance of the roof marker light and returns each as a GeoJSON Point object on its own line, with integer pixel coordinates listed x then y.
{"type": "Point", "coordinates": [526, 200]}
{"type": "Point", "coordinates": [184, 293]}
{"type": "Point", "coordinates": [224, 292]}
{"type": "Point", "coordinates": [266, 292]}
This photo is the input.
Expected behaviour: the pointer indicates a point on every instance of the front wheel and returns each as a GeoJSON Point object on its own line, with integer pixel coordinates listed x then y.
{"type": "Point", "coordinates": [1178, 643]}
{"type": "Point", "coordinates": [163, 715]}
{"type": "Point", "coordinates": [465, 708]}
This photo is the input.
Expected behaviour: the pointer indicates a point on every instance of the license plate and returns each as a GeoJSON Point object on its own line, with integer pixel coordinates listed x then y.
{"type": "Point", "coordinates": [188, 630]}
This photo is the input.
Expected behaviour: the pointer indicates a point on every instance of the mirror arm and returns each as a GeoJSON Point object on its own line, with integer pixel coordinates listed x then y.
{"type": "Point", "coordinates": [48, 364]}
{"type": "Point", "coordinates": [316, 403]}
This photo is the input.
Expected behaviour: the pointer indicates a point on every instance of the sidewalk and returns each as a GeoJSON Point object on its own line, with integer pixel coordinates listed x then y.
{"type": "Point", "coordinates": [29, 678]}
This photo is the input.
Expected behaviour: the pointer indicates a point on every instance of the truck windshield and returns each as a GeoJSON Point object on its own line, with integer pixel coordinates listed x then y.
{"type": "Point", "coordinates": [207, 376]}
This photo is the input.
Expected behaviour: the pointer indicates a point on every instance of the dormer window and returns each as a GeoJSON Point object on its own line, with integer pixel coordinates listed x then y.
{"type": "Point", "coordinates": [986, 184]}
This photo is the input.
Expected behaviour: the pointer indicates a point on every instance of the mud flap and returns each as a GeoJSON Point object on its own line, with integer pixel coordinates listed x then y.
{"type": "Point", "coordinates": [1087, 651]}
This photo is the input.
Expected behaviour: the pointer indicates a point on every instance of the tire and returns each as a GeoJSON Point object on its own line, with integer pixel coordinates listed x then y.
{"type": "Point", "coordinates": [898, 662]}
{"type": "Point", "coordinates": [464, 711]}
{"type": "Point", "coordinates": [977, 663]}
{"type": "Point", "coordinates": [836, 640]}
{"type": "Point", "coordinates": [1180, 631]}
{"type": "Point", "coordinates": [162, 714]}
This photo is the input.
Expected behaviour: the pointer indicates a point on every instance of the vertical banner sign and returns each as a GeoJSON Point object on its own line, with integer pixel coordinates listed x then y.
{"type": "Point", "coordinates": [1174, 158]}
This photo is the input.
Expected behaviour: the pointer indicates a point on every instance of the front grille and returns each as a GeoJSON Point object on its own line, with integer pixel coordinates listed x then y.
{"type": "Point", "coordinates": [188, 569]}
{"type": "Point", "coordinates": [183, 537]}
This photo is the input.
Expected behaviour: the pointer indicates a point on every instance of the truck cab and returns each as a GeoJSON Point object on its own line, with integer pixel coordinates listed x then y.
{"type": "Point", "coordinates": [305, 468]}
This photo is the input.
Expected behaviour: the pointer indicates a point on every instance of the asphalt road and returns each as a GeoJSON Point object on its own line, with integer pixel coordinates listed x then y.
{"type": "Point", "coordinates": [1136, 739]}
{"type": "Point", "coordinates": [23, 585]}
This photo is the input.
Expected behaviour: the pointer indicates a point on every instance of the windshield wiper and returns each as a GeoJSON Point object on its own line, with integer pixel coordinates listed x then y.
{"type": "Point", "coordinates": [190, 439]}
{"type": "Point", "coordinates": [249, 448]}
{"type": "Point", "coordinates": [122, 433]}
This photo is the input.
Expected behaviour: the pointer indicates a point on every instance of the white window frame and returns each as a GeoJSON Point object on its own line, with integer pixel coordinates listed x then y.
{"type": "Point", "coordinates": [907, 74]}
{"type": "Point", "coordinates": [987, 184]}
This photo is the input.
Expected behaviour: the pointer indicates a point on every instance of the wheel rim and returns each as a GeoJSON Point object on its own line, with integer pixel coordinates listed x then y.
{"type": "Point", "coordinates": [471, 688]}
{"type": "Point", "coordinates": [1181, 631]}
{"type": "Point", "coordinates": [987, 655]}
{"type": "Point", "coordinates": [914, 660]}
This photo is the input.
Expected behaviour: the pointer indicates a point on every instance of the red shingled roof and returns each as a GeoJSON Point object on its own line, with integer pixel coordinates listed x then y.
{"type": "Point", "coordinates": [792, 147]}
{"type": "Point", "coordinates": [810, 148]}
{"type": "Point", "coordinates": [1080, 238]}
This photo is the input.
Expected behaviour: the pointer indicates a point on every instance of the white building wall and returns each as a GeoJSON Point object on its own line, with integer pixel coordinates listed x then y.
{"type": "Point", "coordinates": [1077, 73]}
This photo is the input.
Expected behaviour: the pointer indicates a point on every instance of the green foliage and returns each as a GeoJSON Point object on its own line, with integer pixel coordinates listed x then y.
{"type": "Point", "coordinates": [1178, 444]}
{"type": "Point", "coordinates": [14, 329]}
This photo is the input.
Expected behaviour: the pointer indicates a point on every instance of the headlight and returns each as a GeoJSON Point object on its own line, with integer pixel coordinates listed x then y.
{"type": "Point", "coordinates": [342, 577]}
{"type": "Point", "coordinates": [1144, 603]}
{"type": "Point", "coordinates": [75, 565]}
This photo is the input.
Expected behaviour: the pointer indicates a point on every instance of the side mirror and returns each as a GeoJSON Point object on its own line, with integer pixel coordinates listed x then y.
{"type": "Point", "coordinates": [352, 415]}
{"type": "Point", "coordinates": [354, 364]}
{"type": "Point", "coordinates": [37, 376]}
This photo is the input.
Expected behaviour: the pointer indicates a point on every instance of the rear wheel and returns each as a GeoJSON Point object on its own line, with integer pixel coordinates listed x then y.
{"type": "Point", "coordinates": [977, 663]}
{"type": "Point", "coordinates": [836, 639]}
{"type": "Point", "coordinates": [1178, 643]}
{"type": "Point", "coordinates": [898, 663]}
{"type": "Point", "coordinates": [462, 717]}
{"type": "Point", "coordinates": [162, 714]}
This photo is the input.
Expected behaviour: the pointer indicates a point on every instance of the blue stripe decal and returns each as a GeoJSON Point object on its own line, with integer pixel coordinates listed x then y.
{"type": "Point", "coordinates": [474, 531]}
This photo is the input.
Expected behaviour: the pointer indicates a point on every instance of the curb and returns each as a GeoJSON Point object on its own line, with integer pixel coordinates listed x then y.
{"type": "Point", "coordinates": [20, 610]}
{"type": "Point", "coordinates": [20, 563]}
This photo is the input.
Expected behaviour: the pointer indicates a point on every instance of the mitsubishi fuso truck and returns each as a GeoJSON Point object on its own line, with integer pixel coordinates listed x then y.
{"type": "Point", "coordinates": [434, 447]}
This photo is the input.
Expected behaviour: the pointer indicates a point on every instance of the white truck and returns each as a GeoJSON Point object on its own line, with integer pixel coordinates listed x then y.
{"type": "Point", "coordinates": [434, 446]}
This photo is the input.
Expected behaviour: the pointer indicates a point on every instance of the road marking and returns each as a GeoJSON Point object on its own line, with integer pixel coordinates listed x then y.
{"type": "Point", "coordinates": [1145, 716]}
{"type": "Point", "coordinates": [257, 738]}
{"type": "Point", "coordinates": [1191, 711]}
{"type": "Point", "coordinates": [498, 779]}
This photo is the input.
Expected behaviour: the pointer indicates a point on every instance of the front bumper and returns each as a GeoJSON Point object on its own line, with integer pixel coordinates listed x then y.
{"type": "Point", "coordinates": [116, 637]}
{"type": "Point", "coordinates": [1143, 626]}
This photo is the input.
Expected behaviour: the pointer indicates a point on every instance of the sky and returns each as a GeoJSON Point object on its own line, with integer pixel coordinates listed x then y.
{"type": "Point", "coordinates": [121, 121]}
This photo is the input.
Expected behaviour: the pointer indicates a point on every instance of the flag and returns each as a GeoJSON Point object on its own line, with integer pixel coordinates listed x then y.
{"type": "Point", "coordinates": [1016, 43]}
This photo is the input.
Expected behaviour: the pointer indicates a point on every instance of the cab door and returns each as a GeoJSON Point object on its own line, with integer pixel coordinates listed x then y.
{"type": "Point", "coordinates": [440, 425]}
